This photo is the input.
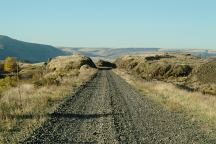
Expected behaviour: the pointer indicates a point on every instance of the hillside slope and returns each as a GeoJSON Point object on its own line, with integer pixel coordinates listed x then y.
{"type": "Point", "coordinates": [182, 69]}
{"type": "Point", "coordinates": [27, 51]}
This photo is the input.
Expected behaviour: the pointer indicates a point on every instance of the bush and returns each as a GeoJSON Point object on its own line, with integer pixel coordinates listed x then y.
{"type": "Point", "coordinates": [47, 81]}
{"type": "Point", "coordinates": [1, 67]}
{"type": "Point", "coordinates": [8, 81]}
{"type": "Point", "coordinates": [180, 70]}
{"type": "Point", "coordinates": [10, 64]}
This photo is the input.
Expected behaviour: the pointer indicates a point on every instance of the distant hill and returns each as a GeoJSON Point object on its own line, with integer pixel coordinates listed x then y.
{"type": "Point", "coordinates": [38, 52]}
{"type": "Point", "coordinates": [204, 53]}
{"type": "Point", "coordinates": [27, 51]}
{"type": "Point", "coordinates": [108, 53]}
{"type": "Point", "coordinates": [113, 53]}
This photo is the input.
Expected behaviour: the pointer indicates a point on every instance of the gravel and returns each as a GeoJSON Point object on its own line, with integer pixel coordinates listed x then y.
{"type": "Point", "coordinates": [109, 110]}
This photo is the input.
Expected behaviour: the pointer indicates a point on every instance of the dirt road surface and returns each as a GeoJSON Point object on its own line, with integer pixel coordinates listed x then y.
{"type": "Point", "coordinates": [108, 110]}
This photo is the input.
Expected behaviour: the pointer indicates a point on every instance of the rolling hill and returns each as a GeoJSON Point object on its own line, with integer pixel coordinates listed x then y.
{"type": "Point", "coordinates": [107, 53]}
{"type": "Point", "coordinates": [39, 52]}
{"type": "Point", "coordinates": [27, 51]}
{"type": "Point", "coordinates": [113, 53]}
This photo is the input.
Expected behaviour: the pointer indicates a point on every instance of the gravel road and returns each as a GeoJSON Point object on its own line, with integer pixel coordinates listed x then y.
{"type": "Point", "coordinates": [108, 110]}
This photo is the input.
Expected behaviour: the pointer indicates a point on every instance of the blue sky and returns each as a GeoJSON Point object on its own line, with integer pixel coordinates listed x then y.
{"type": "Point", "coordinates": [111, 23]}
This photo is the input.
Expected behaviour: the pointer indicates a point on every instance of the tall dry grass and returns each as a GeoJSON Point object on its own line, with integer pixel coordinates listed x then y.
{"type": "Point", "coordinates": [197, 106]}
{"type": "Point", "coordinates": [21, 114]}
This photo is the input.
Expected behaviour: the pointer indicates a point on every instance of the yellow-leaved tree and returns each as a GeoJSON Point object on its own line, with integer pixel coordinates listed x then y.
{"type": "Point", "coordinates": [10, 64]}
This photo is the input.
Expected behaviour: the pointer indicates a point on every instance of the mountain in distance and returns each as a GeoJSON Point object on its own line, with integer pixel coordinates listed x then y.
{"type": "Point", "coordinates": [39, 52]}
{"type": "Point", "coordinates": [27, 51]}
{"type": "Point", "coordinates": [107, 53]}
{"type": "Point", "coordinates": [193, 51]}
{"type": "Point", "coordinates": [113, 53]}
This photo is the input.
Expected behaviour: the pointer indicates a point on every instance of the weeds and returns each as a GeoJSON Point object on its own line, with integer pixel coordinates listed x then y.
{"type": "Point", "coordinates": [38, 100]}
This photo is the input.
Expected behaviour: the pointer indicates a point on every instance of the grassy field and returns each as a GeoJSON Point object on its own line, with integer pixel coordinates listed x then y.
{"type": "Point", "coordinates": [197, 106]}
{"type": "Point", "coordinates": [27, 103]}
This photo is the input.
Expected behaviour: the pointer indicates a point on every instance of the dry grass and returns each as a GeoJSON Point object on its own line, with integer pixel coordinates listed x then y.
{"type": "Point", "coordinates": [21, 114]}
{"type": "Point", "coordinates": [184, 69]}
{"type": "Point", "coordinates": [199, 107]}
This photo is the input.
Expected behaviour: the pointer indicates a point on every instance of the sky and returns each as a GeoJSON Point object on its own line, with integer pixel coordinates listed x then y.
{"type": "Point", "coordinates": [111, 23]}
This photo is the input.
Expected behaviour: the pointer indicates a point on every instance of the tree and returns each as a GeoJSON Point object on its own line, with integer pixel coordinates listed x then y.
{"type": "Point", "coordinates": [1, 67]}
{"type": "Point", "coordinates": [10, 64]}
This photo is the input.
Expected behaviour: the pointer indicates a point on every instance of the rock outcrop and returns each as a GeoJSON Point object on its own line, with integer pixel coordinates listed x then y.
{"type": "Point", "coordinates": [67, 63]}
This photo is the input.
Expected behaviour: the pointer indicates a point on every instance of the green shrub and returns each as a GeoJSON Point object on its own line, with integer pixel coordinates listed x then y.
{"type": "Point", "coordinates": [8, 81]}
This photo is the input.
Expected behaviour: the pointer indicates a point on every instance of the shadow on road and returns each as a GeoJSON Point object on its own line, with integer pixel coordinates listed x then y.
{"type": "Point", "coordinates": [63, 115]}
{"type": "Point", "coordinates": [80, 116]}
{"type": "Point", "coordinates": [105, 68]}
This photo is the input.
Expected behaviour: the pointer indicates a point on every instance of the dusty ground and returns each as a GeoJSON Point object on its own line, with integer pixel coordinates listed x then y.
{"type": "Point", "coordinates": [109, 110]}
